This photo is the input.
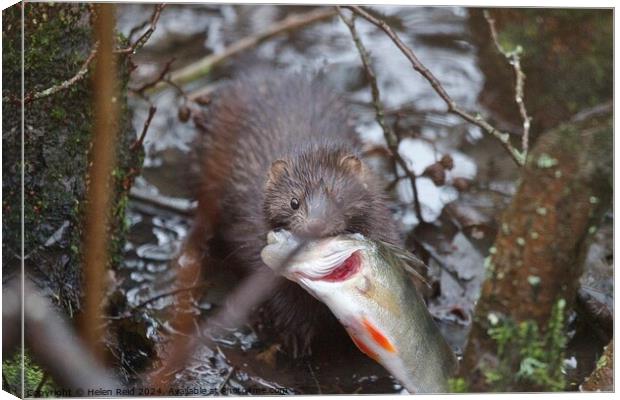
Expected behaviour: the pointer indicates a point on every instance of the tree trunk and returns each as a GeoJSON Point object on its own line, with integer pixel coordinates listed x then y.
{"type": "Point", "coordinates": [602, 379]}
{"type": "Point", "coordinates": [57, 142]}
{"type": "Point", "coordinates": [517, 337]}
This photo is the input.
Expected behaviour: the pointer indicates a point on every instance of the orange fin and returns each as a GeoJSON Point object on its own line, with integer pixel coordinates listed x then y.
{"type": "Point", "coordinates": [363, 348]}
{"type": "Point", "coordinates": [379, 337]}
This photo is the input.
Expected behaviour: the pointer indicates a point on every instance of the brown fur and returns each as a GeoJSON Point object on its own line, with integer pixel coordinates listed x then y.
{"type": "Point", "coordinates": [268, 139]}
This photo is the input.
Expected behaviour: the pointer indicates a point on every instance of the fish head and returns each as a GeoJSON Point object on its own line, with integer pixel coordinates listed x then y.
{"type": "Point", "coordinates": [320, 266]}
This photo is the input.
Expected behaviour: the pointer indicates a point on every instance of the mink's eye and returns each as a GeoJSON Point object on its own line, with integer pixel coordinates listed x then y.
{"type": "Point", "coordinates": [294, 203]}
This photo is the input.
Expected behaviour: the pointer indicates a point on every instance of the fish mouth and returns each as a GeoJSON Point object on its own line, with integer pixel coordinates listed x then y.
{"type": "Point", "coordinates": [271, 238]}
{"type": "Point", "coordinates": [278, 236]}
{"type": "Point", "coordinates": [345, 270]}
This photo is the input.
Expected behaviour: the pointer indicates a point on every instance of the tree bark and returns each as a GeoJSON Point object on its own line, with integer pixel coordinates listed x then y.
{"type": "Point", "coordinates": [538, 254]}
{"type": "Point", "coordinates": [58, 128]}
{"type": "Point", "coordinates": [602, 379]}
{"type": "Point", "coordinates": [57, 145]}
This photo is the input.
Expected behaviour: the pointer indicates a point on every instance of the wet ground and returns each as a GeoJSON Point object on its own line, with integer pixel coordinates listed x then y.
{"type": "Point", "coordinates": [460, 215]}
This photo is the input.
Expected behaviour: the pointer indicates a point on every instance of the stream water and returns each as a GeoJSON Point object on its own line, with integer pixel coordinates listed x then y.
{"type": "Point", "coordinates": [461, 220]}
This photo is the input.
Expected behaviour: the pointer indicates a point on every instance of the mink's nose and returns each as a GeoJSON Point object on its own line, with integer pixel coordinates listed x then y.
{"type": "Point", "coordinates": [324, 216]}
{"type": "Point", "coordinates": [316, 227]}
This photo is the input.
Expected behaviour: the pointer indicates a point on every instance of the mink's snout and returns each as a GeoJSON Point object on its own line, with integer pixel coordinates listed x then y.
{"type": "Point", "coordinates": [325, 217]}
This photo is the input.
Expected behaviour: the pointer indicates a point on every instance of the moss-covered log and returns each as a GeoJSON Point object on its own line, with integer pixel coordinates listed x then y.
{"type": "Point", "coordinates": [57, 140]}
{"type": "Point", "coordinates": [602, 378]}
{"type": "Point", "coordinates": [58, 128]}
{"type": "Point", "coordinates": [533, 270]}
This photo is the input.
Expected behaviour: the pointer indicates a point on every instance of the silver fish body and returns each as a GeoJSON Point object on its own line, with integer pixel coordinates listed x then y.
{"type": "Point", "coordinates": [367, 287]}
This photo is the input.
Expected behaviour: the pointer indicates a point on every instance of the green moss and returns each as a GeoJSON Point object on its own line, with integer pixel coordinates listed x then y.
{"type": "Point", "coordinates": [33, 376]}
{"type": "Point", "coordinates": [545, 161]}
{"type": "Point", "coordinates": [57, 146]}
{"type": "Point", "coordinates": [457, 385]}
{"type": "Point", "coordinates": [602, 362]}
{"type": "Point", "coordinates": [525, 356]}
{"type": "Point", "coordinates": [582, 62]}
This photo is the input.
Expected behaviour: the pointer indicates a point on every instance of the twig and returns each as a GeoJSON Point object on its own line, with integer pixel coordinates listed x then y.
{"type": "Point", "coordinates": [453, 107]}
{"type": "Point", "coordinates": [136, 145]}
{"type": "Point", "coordinates": [437, 259]}
{"type": "Point", "coordinates": [98, 195]}
{"type": "Point", "coordinates": [141, 41]}
{"type": "Point", "coordinates": [155, 81]}
{"type": "Point", "coordinates": [30, 97]}
{"type": "Point", "coordinates": [174, 204]}
{"type": "Point", "coordinates": [226, 379]}
{"type": "Point", "coordinates": [204, 65]}
{"type": "Point", "coordinates": [514, 60]}
{"type": "Point", "coordinates": [390, 137]}
{"type": "Point", "coordinates": [137, 29]}
{"type": "Point", "coordinates": [170, 293]}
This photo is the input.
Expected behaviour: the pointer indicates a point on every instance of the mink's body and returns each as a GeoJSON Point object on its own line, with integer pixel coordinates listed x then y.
{"type": "Point", "coordinates": [278, 152]}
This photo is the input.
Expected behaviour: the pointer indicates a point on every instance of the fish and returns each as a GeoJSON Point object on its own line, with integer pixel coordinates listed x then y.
{"type": "Point", "coordinates": [366, 284]}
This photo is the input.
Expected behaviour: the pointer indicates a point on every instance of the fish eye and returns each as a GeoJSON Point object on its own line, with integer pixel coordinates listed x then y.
{"type": "Point", "coordinates": [294, 203]}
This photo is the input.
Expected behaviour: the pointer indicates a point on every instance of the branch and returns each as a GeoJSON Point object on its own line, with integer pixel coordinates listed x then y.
{"type": "Point", "coordinates": [390, 137]}
{"type": "Point", "coordinates": [453, 107]}
{"type": "Point", "coordinates": [141, 41]}
{"type": "Point", "coordinates": [514, 60]}
{"type": "Point", "coordinates": [204, 65]}
{"type": "Point", "coordinates": [98, 192]}
{"type": "Point", "coordinates": [30, 97]}
{"type": "Point", "coordinates": [174, 204]}
{"type": "Point", "coordinates": [135, 145]}
{"type": "Point", "coordinates": [171, 293]}
{"type": "Point", "coordinates": [162, 75]}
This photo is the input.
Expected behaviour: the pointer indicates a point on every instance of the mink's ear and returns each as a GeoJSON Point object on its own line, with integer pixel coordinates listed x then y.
{"type": "Point", "coordinates": [278, 168]}
{"type": "Point", "coordinates": [352, 164]}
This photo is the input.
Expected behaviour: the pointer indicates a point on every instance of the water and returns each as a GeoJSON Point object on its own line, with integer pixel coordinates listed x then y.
{"type": "Point", "coordinates": [463, 222]}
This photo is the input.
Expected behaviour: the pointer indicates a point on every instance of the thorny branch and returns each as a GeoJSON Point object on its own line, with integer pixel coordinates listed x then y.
{"type": "Point", "coordinates": [515, 60]}
{"type": "Point", "coordinates": [453, 107]}
{"type": "Point", "coordinates": [390, 137]}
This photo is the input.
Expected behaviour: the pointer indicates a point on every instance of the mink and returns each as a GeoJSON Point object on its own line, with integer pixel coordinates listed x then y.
{"type": "Point", "coordinates": [278, 151]}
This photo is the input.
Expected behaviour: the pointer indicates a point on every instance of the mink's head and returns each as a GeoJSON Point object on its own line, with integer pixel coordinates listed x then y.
{"type": "Point", "coordinates": [319, 193]}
